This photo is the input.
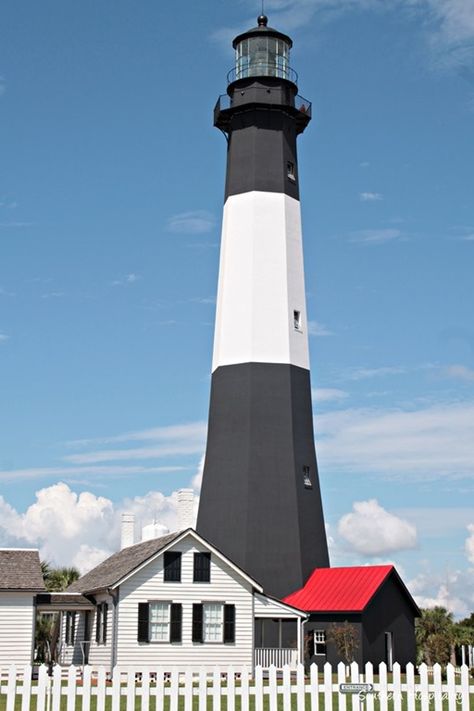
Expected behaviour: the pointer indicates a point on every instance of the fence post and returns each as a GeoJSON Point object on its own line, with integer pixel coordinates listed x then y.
{"type": "Point", "coordinates": [11, 688]}
{"type": "Point", "coordinates": [341, 679]}
{"type": "Point", "coordinates": [26, 689]}
{"type": "Point", "coordinates": [383, 686]}
{"type": "Point", "coordinates": [56, 695]}
{"type": "Point", "coordinates": [369, 678]}
{"type": "Point", "coordinates": [313, 676]}
{"type": "Point", "coordinates": [202, 690]}
{"type": "Point", "coordinates": [425, 701]}
{"type": "Point", "coordinates": [230, 689]}
{"type": "Point", "coordinates": [42, 689]}
{"type": "Point", "coordinates": [159, 691]}
{"type": "Point", "coordinates": [438, 689]}
{"type": "Point", "coordinates": [244, 689]}
{"type": "Point", "coordinates": [272, 688]}
{"type": "Point", "coordinates": [286, 688]}
{"type": "Point", "coordinates": [174, 690]}
{"type": "Point", "coordinates": [301, 691]}
{"type": "Point", "coordinates": [188, 690]}
{"type": "Point", "coordinates": [101, 689]}
{"type": "Point", "coordinates": [451, 687]}
{"type": "Point", "coordinates": [116, 689]}
{"type": "Point", "coordinates": [410, 673]}
{"type": "Point", "coordinates": [356, 705]}
{"type": "Point", "coordinates": [216, 690]}
{"type": "Point", "coordinates": [465, 687]}
{"type": "Point", "coordinates": [258, 688]}
{"type": "Point", "coordinates": [145, 704]}
{"type": "Point", "coordinates": [327, 687]}
{"type": "Point", "coordinates": [397, 687]}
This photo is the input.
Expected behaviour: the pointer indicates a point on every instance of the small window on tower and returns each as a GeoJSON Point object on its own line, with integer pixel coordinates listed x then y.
{"type": "Point", "coordinates": [290, 170]}
{"type": "Point", "coordinates": [307, 477]}
{"type": "Point", "coordinates": [297, 320]}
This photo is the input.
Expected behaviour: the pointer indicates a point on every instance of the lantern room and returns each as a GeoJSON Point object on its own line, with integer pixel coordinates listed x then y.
{"type": "Point", "coordinates": [262, 52]}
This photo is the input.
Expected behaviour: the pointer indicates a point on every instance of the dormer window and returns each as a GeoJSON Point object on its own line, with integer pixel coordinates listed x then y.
{"type": "Point", "coordinates": [172, 567]}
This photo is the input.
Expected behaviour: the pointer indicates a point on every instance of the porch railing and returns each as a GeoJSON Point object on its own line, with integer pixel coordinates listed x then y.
{"type": "Point", "coordinates": [267, 656]}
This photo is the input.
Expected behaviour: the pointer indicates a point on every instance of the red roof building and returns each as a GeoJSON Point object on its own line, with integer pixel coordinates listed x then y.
{"type": "Point", "coordinates": [372, 599]}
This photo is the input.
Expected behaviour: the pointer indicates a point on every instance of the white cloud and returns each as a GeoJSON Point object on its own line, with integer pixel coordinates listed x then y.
{"type": "Point", "coordinates": [194, 222]}
{"type": "Point", "coordinates": [127, 279]}
{"type": "Point", "coordinates": [328, 394]}
{"type": "Point", "coordinates": [4, 337]}
{"type": "Point", "coordinates": [318, 329]}
{"type": "Point", "coordinates": [468, 238]}
{"type": "Point", "coordinates": [453, 590]}
{"type": "Point", "coordinates": [428, 443]}
{"type": "Point", "coordinates": [191, 431]}
{"type": "Point", "coordinates": [461, 372]}
{"type": "Point", "coordinates": [382, 371]}
{"type": "Point", "coordinates": [381, 236]}
{"type": "Point", "coordinates": [371, 530]}
{"type": "Point", "coordinates": [80, 529]}
{"type": "Point", "coordinates": [469, 545]}
{"type": "Point", "coordinates": [67, 472]}
{"type": "Point", "coordinates": [370, 197]}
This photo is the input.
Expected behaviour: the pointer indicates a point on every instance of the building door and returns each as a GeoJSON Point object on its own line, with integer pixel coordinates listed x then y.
{"type": "Point", "coordinates": [389, 650]}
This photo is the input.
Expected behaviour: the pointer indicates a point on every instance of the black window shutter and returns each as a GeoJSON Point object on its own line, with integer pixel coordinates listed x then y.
{"type": "Point", "coordinates": [105, 609]}
{"type": "Point", "coordinates": [175, 622]}
{"type": "Point", "coordinates": [229, 624]}
{"type": "Point", "coordinates": [197, 623]}
{"type": "Point", "coordinates": [172, 567]}
{"type": "Point", "coordinates": [73, 627]}
{"type": "Point", "coordinates": [202, 568]}
{"type": "Point", "coordinates": [143, 626]}
{"type": "Point", "coordinates": [98, 615]}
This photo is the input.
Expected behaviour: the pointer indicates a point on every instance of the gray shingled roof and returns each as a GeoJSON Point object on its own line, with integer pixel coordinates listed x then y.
{"type": "Point", "coordinates": [113, 569]}
{"type": "Point", "coordinates": [20, 569]}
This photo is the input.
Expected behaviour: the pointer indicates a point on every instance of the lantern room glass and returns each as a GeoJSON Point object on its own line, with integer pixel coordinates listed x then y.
{"type": "Point", "coordinates": [262, 56]}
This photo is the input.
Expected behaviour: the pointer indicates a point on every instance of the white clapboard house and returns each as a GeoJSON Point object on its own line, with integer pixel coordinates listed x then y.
{"type": "Point", "coordinates": [174, 601]}
{"type": "Point", "coordinates": [20, 581]}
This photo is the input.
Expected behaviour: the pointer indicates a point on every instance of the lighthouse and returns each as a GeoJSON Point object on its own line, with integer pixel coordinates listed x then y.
{"type": "Point", "coordinates": [260, 500]}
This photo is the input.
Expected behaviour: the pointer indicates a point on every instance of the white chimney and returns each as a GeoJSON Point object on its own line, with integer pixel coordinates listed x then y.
{"type": "Point", "coordinates": [185, 509]}
{"type": "Point", "coordinates": [127, 531]}
{"type": "Point", "coordinates": [154, 530]}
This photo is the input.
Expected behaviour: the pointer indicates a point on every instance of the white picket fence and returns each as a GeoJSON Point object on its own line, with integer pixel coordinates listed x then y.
{"type": "Point", "coordinates": [236, 690]}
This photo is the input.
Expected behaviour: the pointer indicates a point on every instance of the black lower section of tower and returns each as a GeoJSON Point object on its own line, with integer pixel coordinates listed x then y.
{"type": "Point", "coordinates": [260, 500]}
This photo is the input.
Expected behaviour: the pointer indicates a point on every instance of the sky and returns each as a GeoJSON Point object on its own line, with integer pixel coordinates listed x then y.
{"type": "Point", "coordinates": [111, 191]}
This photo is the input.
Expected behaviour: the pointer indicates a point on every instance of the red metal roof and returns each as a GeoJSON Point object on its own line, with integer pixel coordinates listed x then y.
{"type": "Point", "coordinates": [339, 589]}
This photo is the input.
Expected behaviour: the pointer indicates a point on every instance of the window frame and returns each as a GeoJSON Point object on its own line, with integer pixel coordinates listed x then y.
{"type": "Point", "coordinates": [70, 628]}
{"type": "Point", "coordinates": [172, 569]}
{"type": "Point", "coordinates": [322, 642]}
{"type": "Point", "coordinates": [102, 611]}
{"type": "Point", "coordinates": [201, 570]}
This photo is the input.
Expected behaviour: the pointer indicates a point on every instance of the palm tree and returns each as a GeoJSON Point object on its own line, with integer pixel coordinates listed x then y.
{"type": "Point", "coordinates": [47, 626]}
{"type": "Point", "coordinates": [435, 635]}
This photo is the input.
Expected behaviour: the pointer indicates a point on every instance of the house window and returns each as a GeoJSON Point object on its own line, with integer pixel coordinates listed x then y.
{"type": "Point", "coordinates": [320, 642]}
{"type": "Point", "coordinates": [101, 623]}
{"type": "Point", "coordinates": [202, 568]}
{"type": "Point", "coordinates": [297, 320]}
{"type": "Point", "coordinates": [70, 631]}
{"type": "Point", "coordinates": [159, 621]}
{"type": "Point", "coordinates": [307, 477]}
{"type": "Point", "coordinates": [213, 622]}
{"type": "Point", "coordinates": [172, 567]}
{"type": "Point", "coordinates": [290, 171]}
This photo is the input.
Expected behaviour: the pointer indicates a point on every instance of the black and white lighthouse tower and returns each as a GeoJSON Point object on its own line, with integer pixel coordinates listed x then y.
{"type": "Point", "coordinates": [260, 499]}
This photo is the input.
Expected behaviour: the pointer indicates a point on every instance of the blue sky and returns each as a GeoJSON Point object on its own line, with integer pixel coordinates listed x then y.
{"type": "Point", "coordinates": [111, 188]}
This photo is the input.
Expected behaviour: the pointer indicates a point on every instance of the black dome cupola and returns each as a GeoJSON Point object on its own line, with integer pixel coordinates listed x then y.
{"type": "Point", "coordinates": [262, 52]}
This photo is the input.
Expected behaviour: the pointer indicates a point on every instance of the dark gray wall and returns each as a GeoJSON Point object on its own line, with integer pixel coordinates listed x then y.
{"type": "Point", "coordinates": [389, 611]}
{"type": "Point", "coordinates": [254, 505]}
{"type": "Point", "coordinates": [323, 622]}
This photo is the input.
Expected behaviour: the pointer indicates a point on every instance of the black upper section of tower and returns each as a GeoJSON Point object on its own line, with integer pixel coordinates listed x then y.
{"type": "Point", "coordinates": [262, 114]}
